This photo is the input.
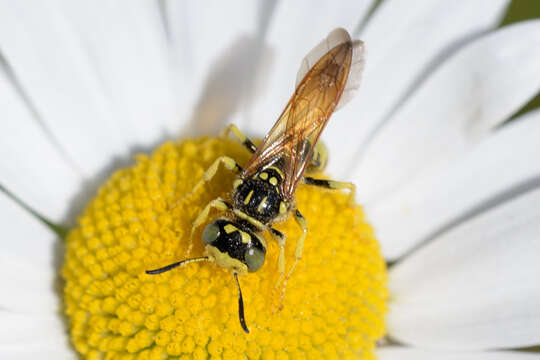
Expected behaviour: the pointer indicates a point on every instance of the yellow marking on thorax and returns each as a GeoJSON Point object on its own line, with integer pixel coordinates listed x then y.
{"type": "Point", "coordinates": [248, 198]}
{"type": "Point", "coordinates": [273, 181]}
{"type": "Point", "coordinates": [253, 221]}
{"type": "Point", "coordinates": [263, 175]}
{"type": "Point", "coordinates": [278, 170]}
{"type": "Point", "coordinates": [229, 228]}
{"type": "Point", "coordinates": [237, 183]}
{"type": "Point", "coordinates": [261, 204]}
{"type": "Point", "coordinates": [282, 208]}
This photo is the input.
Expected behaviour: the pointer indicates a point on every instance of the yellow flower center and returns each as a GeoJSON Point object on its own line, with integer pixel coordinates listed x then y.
{"type": "Point", "coordinates": [334, 303]}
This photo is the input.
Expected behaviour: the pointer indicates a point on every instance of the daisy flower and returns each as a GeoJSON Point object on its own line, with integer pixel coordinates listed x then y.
{"type": "Point", "coordinates": [448, 186]}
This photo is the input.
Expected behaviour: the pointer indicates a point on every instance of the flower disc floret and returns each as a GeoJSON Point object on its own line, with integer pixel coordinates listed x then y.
{"type": "Point", "coordinates": [141, 219]}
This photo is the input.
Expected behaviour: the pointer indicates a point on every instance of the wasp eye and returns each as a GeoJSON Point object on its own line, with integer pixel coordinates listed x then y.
{"type": "Point", "coordinates": [254, 259]}
{"type": "Point", "coordinates": [210, 233]}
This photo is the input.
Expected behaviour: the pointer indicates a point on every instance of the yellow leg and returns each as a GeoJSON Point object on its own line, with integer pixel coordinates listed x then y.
{"type": "Point", "coordinates": [240, 136]}
{"type": "Point", "coordinates": [218, 204]}
{"type": "Point", "coordinates": [228, 162]}
{"type": "Point", "coordinates": [280, 239]}
{"type": "Point", "coordinates": [302, 222]}
{"type": "Point", "coordinates": [334, 185]}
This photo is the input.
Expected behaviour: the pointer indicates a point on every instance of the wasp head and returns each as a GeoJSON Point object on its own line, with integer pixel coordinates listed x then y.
{"type": "Point", "coordinates": [234, 246]}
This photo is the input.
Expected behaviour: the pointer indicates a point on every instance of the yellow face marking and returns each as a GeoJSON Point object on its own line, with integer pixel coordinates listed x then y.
{"type": "Point", "coordinates": [245, 237]}
{"type": "Point", "coordinates": [225, 261]}
{"type": "Point", "coordinates": [229, 228]}
{"type": "Point", "coordinates": [237, 183]}
{"type": "Point", "coordinates": [261, 204]}
{"type": "Point", "coordinates": [246, 200]}
{"type": "Point", "coordinates": [263, 175]}
{"type": "Point", "coordinates": [282, 208]}
{"type": "Point", "coordinates": [273, 181]}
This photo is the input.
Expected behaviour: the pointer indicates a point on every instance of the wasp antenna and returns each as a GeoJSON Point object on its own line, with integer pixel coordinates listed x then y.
{"type": "Point", "coordinates": [241, 306]}
{"type": "Point", "coordinates": [176, 264]}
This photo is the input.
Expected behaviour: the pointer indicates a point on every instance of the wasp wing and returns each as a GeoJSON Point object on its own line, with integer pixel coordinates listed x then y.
{"type": "Point", "coordinates": [335, 38]}
{"type": "Point", "coordinates": [290, 142]}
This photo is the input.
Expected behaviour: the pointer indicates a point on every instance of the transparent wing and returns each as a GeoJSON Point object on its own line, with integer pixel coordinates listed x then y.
{"type": "Point", "coordinates": [335, 38]}
{"type": "Point", "coordinates": [291, 140]}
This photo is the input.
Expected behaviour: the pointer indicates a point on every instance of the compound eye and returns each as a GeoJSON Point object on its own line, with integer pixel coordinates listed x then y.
{"type": "Point", "coordinates": [254, 259]}
{"type": "Point", "coordinates": [210, 233]}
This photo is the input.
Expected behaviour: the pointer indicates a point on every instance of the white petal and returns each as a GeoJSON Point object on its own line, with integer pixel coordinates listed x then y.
{"type": "Point", "coordinates": [127, 43]}
{"type": "Point", "coordinates": [399, 353]}
{"type": "Point", "coordinates": [404, 41]}
{"type": "Point", "coordinates": [30, 252]}
{"type": "Point", "coordinates": [58, 76]}
{"type": "Point", "coordinates": [471, 93]}
{"type": "Point", "coordinates": [32, 167]}
{"type": "Point", "coordinates": [32, 332]}
{"type": "Point", "coordinates": [28, 237]}
{"type": "Point", "coordinates": [475, 286]}
{"type": "Point", "coordinates": [217, 49]}
{"type": "Point", "coordinates": [295, 28]}
{"type": "Point", "coordinates": [499, 164]}
{"type": "Point", "coordinates": [29, 289]}
{"type": "Point", "coordinates": [24, 353]}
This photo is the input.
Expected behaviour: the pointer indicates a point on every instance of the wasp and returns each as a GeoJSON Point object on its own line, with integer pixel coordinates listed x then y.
{"type": "Point", "coordinates": [263, 192]}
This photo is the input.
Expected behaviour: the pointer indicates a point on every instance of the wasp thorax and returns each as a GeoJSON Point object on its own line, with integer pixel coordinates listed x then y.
{"type": "Point", "coordinates": [234, 246]}
{"type": "Point", "coordinates": [260, 196]}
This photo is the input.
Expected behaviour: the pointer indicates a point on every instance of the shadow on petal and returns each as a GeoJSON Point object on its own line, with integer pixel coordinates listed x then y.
{"type": "Point", "coordinates": [235, 80]}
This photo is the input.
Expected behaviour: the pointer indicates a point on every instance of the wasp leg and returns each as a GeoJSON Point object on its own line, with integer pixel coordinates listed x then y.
{"type": "Point", "coordinates": [228, 162]}
{"type": "Point", "coordinates": [248, 144]}
{"type": "Point", "coordinates": [334, 185]}
{"type": "Point", "coordinates": [302, 222]}
{"type": "Point", "coordinates": [280, 239]}
{"type": "Point", "coordinates": [218, 204]}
